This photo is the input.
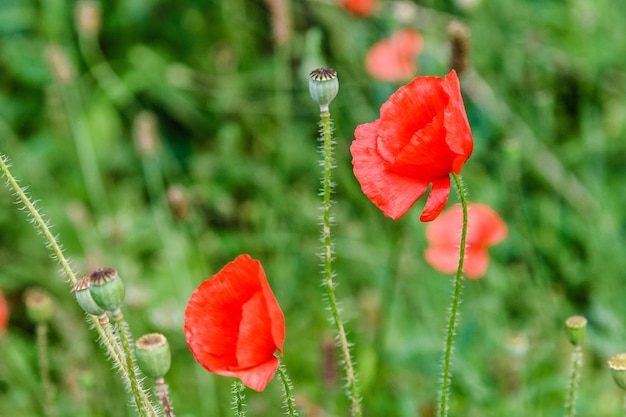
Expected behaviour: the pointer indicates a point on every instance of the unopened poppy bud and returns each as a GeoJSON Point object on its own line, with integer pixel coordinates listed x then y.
{"type": "Point", "coordinates": [107, 289]}
{"type": "Point", "coordinates": [576, 328]}
{"type": "Point", "coordinates": [153, 355]}
{"type": "Point", "coordinates": [84, 298]}
{"type": "Point", "coordinates": [617, 363]}
{"type": "Point", "coordinates": [39, 306]}
{"type": "Point", "coordinates": [323, 86]}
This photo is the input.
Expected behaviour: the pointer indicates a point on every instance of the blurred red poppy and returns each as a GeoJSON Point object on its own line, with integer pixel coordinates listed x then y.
{"type": "Point", "coordinates": [394, 59]}
{"type": "Point", "coordinates": [4, 314]}
{"type": "Point", "coordinates": [421, 137]}
{"type": "Point", "coordinates": [234, 325]}
{"type": "Point", "coordinates": [484, 228]}
{"type": "Point", "coordinates": [362, 8]}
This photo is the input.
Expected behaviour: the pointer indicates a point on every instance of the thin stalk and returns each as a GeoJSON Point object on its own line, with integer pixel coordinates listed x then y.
{"type": "Point", "coordinates": [576, 363]}
{"type": "Point", "coordinates": [44, 368]}
{"type": "Point", "coordinates": [164, 396]}
{"type": "Point", "coordinates": [288, 401]}
{"type": "Point", "coordinates": [446, 378]}
{"type": "Point", "coordinates": [327, 256]}
{"type": "Point", "coordinates": [105, 332]}
{"type": "Point", "coordinates": [239, 398]}
{"type": "Point", "coordinates": [142, 402]}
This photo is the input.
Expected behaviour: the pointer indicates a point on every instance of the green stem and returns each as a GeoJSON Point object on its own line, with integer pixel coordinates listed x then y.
{"type": "Point", "coordinates": [327, 185]}
{"type": "Point", "coordinates": [239, 398]}
{"type": "Point", "coordinates": [165, 398]}
{"type": "Point", "coordinates": [454, 308]}
{"type": "Point", "coordinates": [105, 331]}
{"type": "Point", "coordinates": [576, 362]}
{"type": "Point", "coordinates": [40, 223]}
{"type": "Point", "coordinates": [44, 368]}
{"type": "Point", "coordinates": [289, 402]}
{"type": "Point", "coordinates": [142, 402]}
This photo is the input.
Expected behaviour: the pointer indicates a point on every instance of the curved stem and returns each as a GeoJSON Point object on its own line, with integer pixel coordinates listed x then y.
{"type": "Point", "coordinates": [327, 185]}
{"type": "Point", "coordinates": [454, 307]}
{"type": "Point", "coordinates": [289, 402]}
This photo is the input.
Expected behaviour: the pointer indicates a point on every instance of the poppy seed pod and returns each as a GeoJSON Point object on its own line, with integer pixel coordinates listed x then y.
{"type": "Point", "coordinates": [576, 329]}
{"type": "Point", "coordinates": [323, 86]}
{"type": "Point", "coordinates": [39, 306]}
{"type": "Point", "coordinates": [107, 289]}
{"type": "Point", "coordinates": [153, 355]}
{"type": "Point", "coordinates": [617, 363]}
{"type": "Point", "coordinates": [84, 298]}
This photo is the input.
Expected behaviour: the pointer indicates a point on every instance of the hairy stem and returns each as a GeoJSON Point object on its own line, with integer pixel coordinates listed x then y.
{"type": "Point", "coordinates": [327, 256]}
{"type": "Point", "coordinates": [576, 363]}
{"type": "Point", "coordinates": [446, 378]}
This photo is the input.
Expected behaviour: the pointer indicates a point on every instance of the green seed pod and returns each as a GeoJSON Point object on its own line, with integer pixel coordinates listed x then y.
{"type": "Point", "coordinates": [107, 289]}
{"type": "Point", "coordinates": [83, 296]}
{"type": "Point", "coordinates": [617, 363]}
{"type": "Point", "coordinates": [323, 86]}
{"type": "Point", "coordinates": [153, 355]}
{"type": "Point", "coordinates": [576, 327]}
{"type": "Point", "coordinates": [39, 306]}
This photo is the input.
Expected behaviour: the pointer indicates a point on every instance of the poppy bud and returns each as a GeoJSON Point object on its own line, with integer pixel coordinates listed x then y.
{"type": "Point", "coordinates": [576, 328]}
{"type": "Point", "coordinates": [323, 86]}
{"type": "Point", "coordinates": [39, 306]}
{"type": "Point", "coordinates": [153, 355]}
{"type": "Point", "coordinates": [107, 289]}
{"type": "Point", "coordinates": [83, 296]}
{"type": "Point", "coordinates": [617, 363]}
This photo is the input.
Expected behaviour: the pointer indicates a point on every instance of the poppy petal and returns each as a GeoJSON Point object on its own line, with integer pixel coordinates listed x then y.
{"type": "Point", "coordinates": [446, 260]}
{"type": "Point", "coordinates": [233, 324]}
{"type": "Point", "coordinates": [407, 111]}
{"type": "Point", "coordinates": [459, 136]}
{"type": "Point", "coordinates": [437, 199]}
{"type": "Point", "coordinates": [392, 193]}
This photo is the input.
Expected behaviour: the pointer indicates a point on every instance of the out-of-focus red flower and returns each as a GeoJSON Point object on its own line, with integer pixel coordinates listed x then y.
{"type": "Point", "coordinates": [484, 228]}
{"type": "Point", "coordinates": [234, 325]}
{"type": "Point", "coordinates": [4, 314]}
{"type": "Point", "coordinates": [394, 59]}
{"type": "Point", "coordinates": [362, 8]}
{"type": "Point", "coordinates": [421, 137]}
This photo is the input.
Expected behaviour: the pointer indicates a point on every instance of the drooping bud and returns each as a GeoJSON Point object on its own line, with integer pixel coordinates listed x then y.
{"type": "Point", "coordinates": [84, 298]}
{"type": "Point", "coordinates": [39, 306]}
{"type": "Point", "coordinates": [323, 86]}
{"type": "Point", "coordinates": [153, 355]}
{"type": "Point", "coordinates": [617, 363]}
{"type": "Point", "coordinates": [107, 289]}
{"type": "Point", "coordinates": [576, 328]}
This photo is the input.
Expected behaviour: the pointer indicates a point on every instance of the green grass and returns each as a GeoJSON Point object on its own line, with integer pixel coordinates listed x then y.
{"type": "Point", "coordinates": [237, 129]}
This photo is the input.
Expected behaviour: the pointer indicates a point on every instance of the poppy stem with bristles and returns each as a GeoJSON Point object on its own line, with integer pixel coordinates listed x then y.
{"type": "Point", "coordinates": [326, 148]}
{"type": "Point", "coordinates": [446, 377]}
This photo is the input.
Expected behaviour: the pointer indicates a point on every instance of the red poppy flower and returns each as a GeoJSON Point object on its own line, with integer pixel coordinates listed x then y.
{"type": "Point", "coordinates": [362, 8]}
{"type": "Point", "coordinates": [484, 228]}
{"type": "Point", "coordinates": [421, 137]}
{"type": "Point", "coordinates": [4, 314]}
{"type": "Point", "coordinates": [234, 325]}
{"type": "Point", "coordinates": [393, 59]}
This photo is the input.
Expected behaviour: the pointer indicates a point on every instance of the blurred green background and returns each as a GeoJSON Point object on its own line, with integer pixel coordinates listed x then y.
{"type": "Point", "coordinates": [181, 134]}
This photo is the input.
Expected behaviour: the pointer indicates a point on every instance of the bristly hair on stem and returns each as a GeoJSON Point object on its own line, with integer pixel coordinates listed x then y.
{"type": "Point", "coordinates": [239, 398]}
{"type": "Point", "coordinates": [453, 312]}
{"type": "Point", "coordinates": [327, 163]}
{"type": "Point", "coordinates": [52, 242]}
